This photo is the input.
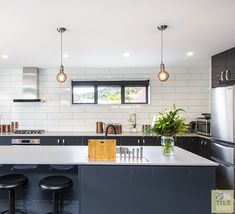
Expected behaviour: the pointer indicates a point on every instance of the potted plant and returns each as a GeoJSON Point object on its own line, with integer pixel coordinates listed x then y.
{"type": "Point", "coordinates": [168, 125]}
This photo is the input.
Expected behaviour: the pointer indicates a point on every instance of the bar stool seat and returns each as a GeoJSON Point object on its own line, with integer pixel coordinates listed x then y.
{"type": "Point", "coordinates": [56, 185]}
{"type": "Point", "coordinates": [11, 182]}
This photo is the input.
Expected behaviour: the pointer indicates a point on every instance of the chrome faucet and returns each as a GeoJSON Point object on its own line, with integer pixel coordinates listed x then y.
{"type": "Point", "coordinates": [107, 128]}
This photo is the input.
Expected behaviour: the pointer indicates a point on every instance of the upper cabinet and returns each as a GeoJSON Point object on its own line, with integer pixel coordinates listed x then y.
{"type": "Point", "coordinates": [223, 69]}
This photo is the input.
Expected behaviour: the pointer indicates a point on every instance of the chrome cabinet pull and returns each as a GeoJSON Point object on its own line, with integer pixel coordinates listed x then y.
{"type": "Point", "coordinates": [58, 141]}
{"type": "Point", "coordinates": [222, 76]}
{"type": "Point", "coordinates": [227, 75]}
{"type": "Point", "coordinates": [63, 142]}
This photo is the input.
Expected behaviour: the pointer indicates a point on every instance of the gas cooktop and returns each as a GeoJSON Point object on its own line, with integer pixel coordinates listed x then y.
{"type": "Point", "coordinates": [29, 132]}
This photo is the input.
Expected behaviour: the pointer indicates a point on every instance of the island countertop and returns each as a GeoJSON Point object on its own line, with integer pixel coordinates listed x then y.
{"type": "Point", "coordinates": [78, 155]}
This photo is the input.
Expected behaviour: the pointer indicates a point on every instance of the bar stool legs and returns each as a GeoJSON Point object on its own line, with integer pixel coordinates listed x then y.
{"type": "Point", "coordinates": [11, 202]}
{"type": "Point", "coordinates": [55, 202]}
{"type": "Point", "coordinates": [56, 185]}
{"type": "Point", "coordinates": [10, 183]}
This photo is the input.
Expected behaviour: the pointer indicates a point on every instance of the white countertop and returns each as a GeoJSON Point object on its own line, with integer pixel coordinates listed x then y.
{"type": "Point", "coordinates": [83, 133]}
{"type": "Point", "coordinates": [78, 155]}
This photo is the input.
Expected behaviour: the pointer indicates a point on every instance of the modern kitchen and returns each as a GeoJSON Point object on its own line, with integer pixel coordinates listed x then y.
{"type": "Point", "coordinates": [113, 107]}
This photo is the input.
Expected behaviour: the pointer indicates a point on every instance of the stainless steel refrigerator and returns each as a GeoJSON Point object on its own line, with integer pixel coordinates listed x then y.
{"type": "Point", "coordinates": [223, 135]}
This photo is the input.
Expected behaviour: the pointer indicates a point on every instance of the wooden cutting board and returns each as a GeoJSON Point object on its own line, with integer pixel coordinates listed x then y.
{"type": "Point", "coordinates": [101, 150]}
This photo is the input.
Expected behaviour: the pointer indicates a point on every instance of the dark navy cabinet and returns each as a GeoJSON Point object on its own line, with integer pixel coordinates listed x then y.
{"type": "Point", "coordinates": [5, 140]}
{"type": "Point", "coordinates": [218, 69]}
{"type": "Point", "coordinates": [223, 68]}
{"type": "Point", "coordinates": [152, 141]}
{"type": "Point", "coordinates": [188, 143]}
{"type": "Point", "coordinates": [86, 138]}
{"type": "Point", "coordinates": [194, 144]}
{"type": "Point", "coordinates": [131, 140]}
{"type": "Point", "coordinates": [146, 140]}
{"type": "Point", "coordinates": [61, 140]}
{"type": "Point", "coordinates": [204, 148]}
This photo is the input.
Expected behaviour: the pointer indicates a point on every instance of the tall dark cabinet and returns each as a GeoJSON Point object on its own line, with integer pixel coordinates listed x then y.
{"type": "Point", "coordinates": [223, 68]}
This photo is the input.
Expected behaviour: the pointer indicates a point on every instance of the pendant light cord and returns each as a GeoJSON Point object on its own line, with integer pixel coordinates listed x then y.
{"type": "Point", "coordinates": [61, 48]}
{"type": "Point", "coordinates": [161, 46]}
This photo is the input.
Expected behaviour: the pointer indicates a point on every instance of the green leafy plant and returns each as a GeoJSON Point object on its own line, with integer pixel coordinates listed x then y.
{"type": "Point", "coordinates": [169, 123]}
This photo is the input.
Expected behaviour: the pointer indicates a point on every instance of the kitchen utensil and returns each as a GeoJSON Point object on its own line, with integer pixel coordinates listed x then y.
{"type": "Point", "coordinates": [137, 153]}
{"type": "Point", "coordinates": [141, 152]}
{"type": "Point", "coordinates": [99, 127]}
{"type": "Point", "coordinates": [8, 128]}
{"type": "Point", "coordinates": [145, 127]}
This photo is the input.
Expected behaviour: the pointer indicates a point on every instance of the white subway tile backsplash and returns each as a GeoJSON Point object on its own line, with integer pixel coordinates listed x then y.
{"type": "Point", "coordinates": [188, 88]}
{"type": "Point", "coordinates": [175, 96]}
{"type": "Point", "coordinates": [198, 109]}
{"type": "Point", "coordinates": [61, 115]}
{"type": "Point", "coordinates": [157, 89]}
{"type": "Point", "coordinates": [22, 109]}
{"type": "Point", "coordinates": [198, 83]}
{"type": "Point", "coordinates": [188, 76]}
{"type": "Point", "coordinates": [35, 116]}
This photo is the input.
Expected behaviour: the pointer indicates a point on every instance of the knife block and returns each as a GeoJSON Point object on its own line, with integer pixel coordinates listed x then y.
{"type": "Point", "coordinates": [101, 150]}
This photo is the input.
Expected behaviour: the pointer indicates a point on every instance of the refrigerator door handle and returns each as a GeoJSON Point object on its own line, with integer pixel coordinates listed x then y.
{"type": "Point", "coordinates": [224, 147]}
{"type": "Point", "coordinates": [220, 162]}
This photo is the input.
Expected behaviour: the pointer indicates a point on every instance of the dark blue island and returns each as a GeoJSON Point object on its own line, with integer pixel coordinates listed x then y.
{"type": "Point", "coordinates": [158, 184]}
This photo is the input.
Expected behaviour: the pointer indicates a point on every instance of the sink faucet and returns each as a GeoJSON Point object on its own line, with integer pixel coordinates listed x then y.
{"type": "Point", "coordinates": [107, 128]}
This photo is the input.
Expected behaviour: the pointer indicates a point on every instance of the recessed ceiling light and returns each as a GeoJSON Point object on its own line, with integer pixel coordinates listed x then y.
{"type": "Point", "coordinates": [190, 53]}
{"type": "Point", "coordinates": [65, 55]}
{"type": "Point", "coordinates": [126, 54]}
{"type": "Point", "coordinates": [4, 56]}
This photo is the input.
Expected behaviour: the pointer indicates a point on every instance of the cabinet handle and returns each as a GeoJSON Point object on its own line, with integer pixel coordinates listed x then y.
{"type": "Point", "coordinates": [202, 142]}
{"type": "Point", "coordinates": [63, 142]}
{"type": "Point", "coordinates": [222, 76]}
{"type": "Point", "coordinates": [58, 141]}
{"type": "Point", "coordinates": [205, 143]}
{"type": "Point", "coordinates": [227, 75]}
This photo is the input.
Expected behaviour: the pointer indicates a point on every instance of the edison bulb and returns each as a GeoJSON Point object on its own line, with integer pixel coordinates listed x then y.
{"type": "Point", "coordinates": [61, 76]}
{"type": "Point", "coordinates": [163, 75]}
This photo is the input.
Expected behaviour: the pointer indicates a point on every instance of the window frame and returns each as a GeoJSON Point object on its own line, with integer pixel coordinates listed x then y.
{"type": "Point", "coordinates": [122, 84]}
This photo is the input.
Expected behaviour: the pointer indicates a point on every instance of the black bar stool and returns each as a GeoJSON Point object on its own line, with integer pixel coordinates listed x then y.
{"type": "Point", "coordinates": [56, 185]}
{"type": "Point", "coordinates": [11, 182]}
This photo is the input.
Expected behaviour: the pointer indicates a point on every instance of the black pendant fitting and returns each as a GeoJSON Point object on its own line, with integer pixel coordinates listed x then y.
{"type": "Point", "coordinates": [61, 29]}
{"type": "Point", "coordinates": [162, 27]}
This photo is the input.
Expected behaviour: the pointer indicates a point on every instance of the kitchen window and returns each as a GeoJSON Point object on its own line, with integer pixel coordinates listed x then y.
{"type": "Point", "coordinates": [110, 92]}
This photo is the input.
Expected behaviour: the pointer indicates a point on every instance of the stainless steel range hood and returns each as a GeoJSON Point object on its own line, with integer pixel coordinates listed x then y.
{"type": "Point", "coordinates": [30, 85]}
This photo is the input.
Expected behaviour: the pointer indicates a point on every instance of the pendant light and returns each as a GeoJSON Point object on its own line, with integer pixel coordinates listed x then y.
{"type": "Point", "coordinates": [61, 76]}
{"type": "Point", "coordinates": [163, 75]}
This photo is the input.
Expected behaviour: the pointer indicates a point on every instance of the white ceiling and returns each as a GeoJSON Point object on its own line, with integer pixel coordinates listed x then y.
{"type": "Point", "coordinates": [100, 31]}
